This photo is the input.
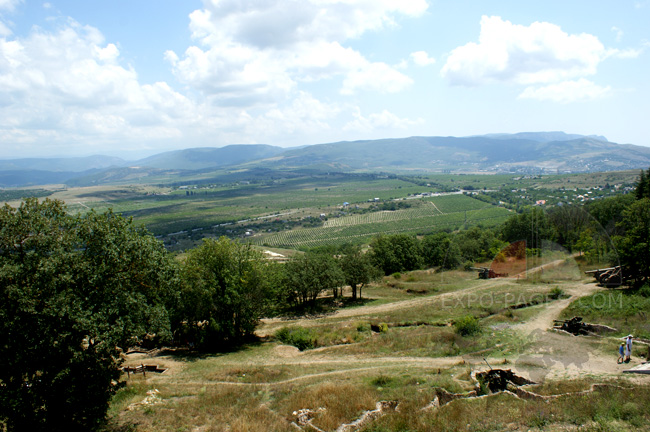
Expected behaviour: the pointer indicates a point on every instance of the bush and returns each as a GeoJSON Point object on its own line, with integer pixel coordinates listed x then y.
{"type": "Point", "coordinates": [644, 291]}
{"type": "Point", "coordinates": [299, 337]}
{"type": "Point", "coordinates": [556, 293]}
{"type": "Point", "coordinates": [468, 326]}
{"type": "Point", "coordinates": [379, 328]}
{"type": "Point", "coordinates": [397, 275]}
{"type": "Point", "coordinates": [363, 327]}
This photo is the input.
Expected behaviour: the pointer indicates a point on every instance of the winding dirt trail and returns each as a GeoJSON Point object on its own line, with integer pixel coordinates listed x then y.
{"type": "Point", "coordinates": [548, 354]}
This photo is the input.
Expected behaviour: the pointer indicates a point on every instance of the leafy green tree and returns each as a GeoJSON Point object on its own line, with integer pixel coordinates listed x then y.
{"type": "Point", "coordinates": [643, 185]}
{"type": "Point", "coordinates": [634, 246]}
{"type": "Point", "coordinates": [608, 212]}
{"type": "Point", "coordinates": [533, 226]}
{"type": "Point", "coordinates": [73, 290]}
{"type": "Point", "coordinates": [586, 244]}
{"type": "Point", "coordinates": [358, 270]}
{"type": "Point", "coordinates": [225, 292]}
{"type": "Point", "coordinates": [478, 244]}
{"type": "Point", "coordinates": [439, 250]}
{"type": "Point", "coordinates": [310, 274]}
{"type": "Point", "coordinates": [396, 253]}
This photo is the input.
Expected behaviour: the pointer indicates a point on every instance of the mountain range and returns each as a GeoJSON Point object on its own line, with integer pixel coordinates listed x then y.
{"type": "Point", "coordinates": [526, 152]}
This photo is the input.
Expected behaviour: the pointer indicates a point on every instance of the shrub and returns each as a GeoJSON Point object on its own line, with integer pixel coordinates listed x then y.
{"type": "Point", "coordinates": [397, 275]}
{"type": "Point", "coordinates": [556, 293]}
{"type": "Point", "coordinates": [379, 328]}
{"type": "Point", "coordinates": [468, 326]}
{"type": "Point", "coordinates": [644, 291]}
{"type": "Point", "coordinates": [299, 337]}
{"type": "Point", "coordinates": [363, 327]}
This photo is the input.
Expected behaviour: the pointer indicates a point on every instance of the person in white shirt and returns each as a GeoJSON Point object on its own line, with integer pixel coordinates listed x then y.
{"type": "Point", "coordinates": [628, 348]}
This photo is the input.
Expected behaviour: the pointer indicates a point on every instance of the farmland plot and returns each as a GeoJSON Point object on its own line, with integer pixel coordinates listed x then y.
{"type": "Point", "coordinates": [446, 212]}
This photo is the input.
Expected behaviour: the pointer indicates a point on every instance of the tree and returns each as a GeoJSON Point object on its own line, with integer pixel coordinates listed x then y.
{"type": "Point", "coordinates": [478, 244]}
{"type": "Point", "coordinates": [310, 274]}
{"type": "Point", "coordinates": [533, 226]}
{"type": "Point", "coordinates": [224, 292]}
{"type": "Point", "coordinates": [634, 246]}
{"type": "Point", "coordinates": [358, 270]}
{"type": "Point", "coordinates": [72, 290]}
{"type": "Point", "coordinates": [396, 253]}
{"type": "Point", "coordinates": [643, 186]}
{"type": "Point", "coordinates": [438, 250]}
{"type": "Point", "coordinates": [608, 212]}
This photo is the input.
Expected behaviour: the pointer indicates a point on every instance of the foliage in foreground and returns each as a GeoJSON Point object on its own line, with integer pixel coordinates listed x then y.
{"type": "Point", "coordinates": [72, 289]}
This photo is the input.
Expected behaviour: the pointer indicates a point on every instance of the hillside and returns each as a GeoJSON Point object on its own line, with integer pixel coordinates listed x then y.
{"type": "Point", "coordinates": [503, 154]}
{"type": "Point", "coordinates": [526, 152]}
{"type": "Point", "coordinates": [208, 157]}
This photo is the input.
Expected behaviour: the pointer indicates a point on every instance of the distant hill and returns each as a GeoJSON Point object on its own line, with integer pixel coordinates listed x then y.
{"type": "Point", "coordinates": [209, 157]}
{"type": "Point", "coordinates": [71, 165]}
{"type": "Point", "coordinates": [471, 154]}
{"type": "Point", "coordinates": [525, 152]}
{"type": "Point", "coordinates": [544, 136]}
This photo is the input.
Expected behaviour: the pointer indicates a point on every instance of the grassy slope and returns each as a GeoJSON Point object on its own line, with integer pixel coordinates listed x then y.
{"type": "Point", "coordinates": [260, 386]}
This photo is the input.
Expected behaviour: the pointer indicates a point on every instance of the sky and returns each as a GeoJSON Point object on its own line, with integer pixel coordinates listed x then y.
{"type": "Point", "coordinates": [135, 78]}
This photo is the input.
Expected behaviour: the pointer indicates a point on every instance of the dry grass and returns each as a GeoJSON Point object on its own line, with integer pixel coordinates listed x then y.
{"type": "Point", "coordinates": [258, 387]}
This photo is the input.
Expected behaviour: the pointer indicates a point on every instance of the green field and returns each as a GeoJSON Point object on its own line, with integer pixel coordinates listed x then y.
{"type": "Point", "coordinates": [286, 208]}
{"type": "Point", "coordinates": [444, 212]}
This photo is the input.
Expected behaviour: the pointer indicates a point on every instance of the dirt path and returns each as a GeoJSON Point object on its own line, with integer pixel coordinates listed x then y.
{"type": "Point", "coordinates": [269, 325]}
{"type": "Point", "coordinates": [551, 311]}
{"type": "Point", "coordinates": [406, 304]}
{"type": "Point", "coordinates": [554, 354]}
{"type": "Point", "coordinates": [548, 354]}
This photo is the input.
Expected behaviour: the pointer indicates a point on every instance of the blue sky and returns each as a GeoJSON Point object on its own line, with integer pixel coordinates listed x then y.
{"type": "Point", "coordinates": [133, 78]}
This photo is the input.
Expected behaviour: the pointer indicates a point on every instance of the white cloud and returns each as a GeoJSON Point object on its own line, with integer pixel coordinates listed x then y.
{"type": "Point", "coordinates": [618, 32]}
{"type": "Point", "coordinates": [421, 58]}
{"type": "Point", "coordinates": [381, 120]}
{"type": "Point", "coordinates": [305, 115]}
{"type": "Point", "coordinates": [4, 30]}
{"type": "Point", "coordinates": [69, 86]}
{"type": "Point", "coordinates": [378, 77]}
{"type": "Point", "coordinates": [628, 53]}
{"type": "Point", "coordinates": [567, 91]}
{"type": "Point", "coordinates": [537, 54]}
{"type": "Point", "coordinates": [9, 5]}
{"type": "Point", "coordinates": [256, 52]}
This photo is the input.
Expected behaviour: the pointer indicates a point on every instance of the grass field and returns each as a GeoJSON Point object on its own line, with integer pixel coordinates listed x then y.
{"type": "Point", "coordinates": [433, 214]}
{"type": "Point", "coordinates": [412, 361]}
{"type": "Point", "coordinates": [273, 206]}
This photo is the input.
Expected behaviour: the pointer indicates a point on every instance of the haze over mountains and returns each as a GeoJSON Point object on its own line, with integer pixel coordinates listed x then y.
{"type": "Point", "coordinates": [526, 152]}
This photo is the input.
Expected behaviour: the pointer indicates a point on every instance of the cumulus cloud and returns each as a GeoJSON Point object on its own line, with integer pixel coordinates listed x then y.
{"type": "Point", "coordinates": [4, 30]}
{"type": "Point", "coordinates": [8, 5]}
{"type": "Point", "coordinates": [628, 53]}
{"type": "Point", "coordinates": [258, 51]}
{"type": "Point", "coordinates": [375, 77]}
{"type": "Point", "coordinates": [304, 115]}
{"type": "Point", "coordinates": [567, 91]}
{"type": "Point", "coordinates": [69, 85]}
{"type": "Point", "coordinates": [537, 54]}
{"type": "Point", "coordinates": [421, 58]}
{"type": "Point", "coordinates": [377, 121]}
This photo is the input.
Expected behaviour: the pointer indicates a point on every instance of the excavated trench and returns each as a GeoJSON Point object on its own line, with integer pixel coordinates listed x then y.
{"type": "Point", "coordinates": [488, 383]}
